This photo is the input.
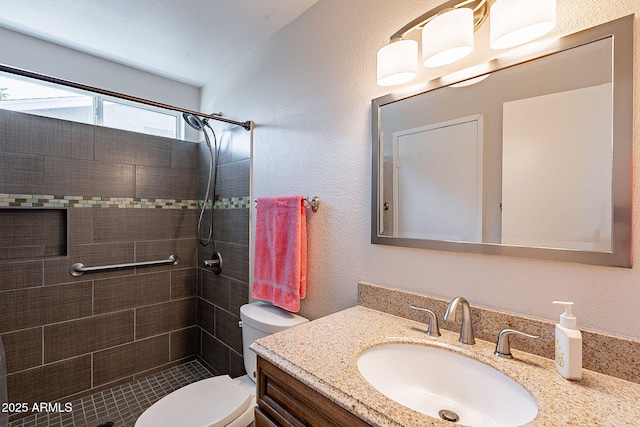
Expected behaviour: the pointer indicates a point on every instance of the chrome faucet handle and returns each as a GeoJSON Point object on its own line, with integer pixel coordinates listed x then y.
{"type": "Point", "coordinates": [466, 329]}
{"type": "Point", "coordinates": [432, 324]}
{"type": "Point", "coordinates": [503, 348]}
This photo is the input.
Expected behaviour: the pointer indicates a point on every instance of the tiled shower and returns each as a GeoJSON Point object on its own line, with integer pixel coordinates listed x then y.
{"type": "Point", "coordinates": [220, 296]}
{"type": "Point", "coordinates": [72, 192]}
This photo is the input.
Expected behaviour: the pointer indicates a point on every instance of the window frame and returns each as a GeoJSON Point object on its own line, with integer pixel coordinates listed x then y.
{"type": "Point", "coordinates": [98, 105]}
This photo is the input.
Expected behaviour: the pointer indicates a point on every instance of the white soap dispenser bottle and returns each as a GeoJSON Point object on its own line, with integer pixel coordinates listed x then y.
{"type": "Point", "coordinates": [568, 345]}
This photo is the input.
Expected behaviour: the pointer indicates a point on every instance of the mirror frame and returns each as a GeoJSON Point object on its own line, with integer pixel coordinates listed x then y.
{"type": "Point", "coordinates": [621, 33]}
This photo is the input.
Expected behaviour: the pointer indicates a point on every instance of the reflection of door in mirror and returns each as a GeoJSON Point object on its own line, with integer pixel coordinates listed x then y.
{"type": "Point", "coordinates": [553, 146]}
{"type": "Point", "coordinates": [437, 179]}
{"type": "Point", "coordinates": [573, 122]}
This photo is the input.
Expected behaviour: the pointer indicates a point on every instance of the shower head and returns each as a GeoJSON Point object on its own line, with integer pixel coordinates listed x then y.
{"type": "Point", "coordinates": [194, 121]}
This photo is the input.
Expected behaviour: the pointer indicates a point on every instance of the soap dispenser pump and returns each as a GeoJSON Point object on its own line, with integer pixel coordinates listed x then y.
{"type": "Point", "coordinates": [568, 344]}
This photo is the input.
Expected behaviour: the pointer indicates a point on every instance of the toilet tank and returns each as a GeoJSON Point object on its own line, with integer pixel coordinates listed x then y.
{"type": "Point", "coordinates": [260, 319]}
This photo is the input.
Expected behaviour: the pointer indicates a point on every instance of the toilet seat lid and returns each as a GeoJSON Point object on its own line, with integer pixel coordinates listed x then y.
{"type": "Point", "coordinates": [213, 402]}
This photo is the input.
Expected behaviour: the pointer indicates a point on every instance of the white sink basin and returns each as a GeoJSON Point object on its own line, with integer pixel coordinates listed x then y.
{"type": "Point", "coordinates": [430, 379]}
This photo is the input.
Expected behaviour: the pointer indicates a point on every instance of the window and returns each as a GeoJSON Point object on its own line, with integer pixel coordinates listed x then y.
{"type": "Point", "coordinates": [18, 94]}
{"type": "Point", "coordinates": [45, 99]}
{"type": "Point", "coordinates": [143, 119]}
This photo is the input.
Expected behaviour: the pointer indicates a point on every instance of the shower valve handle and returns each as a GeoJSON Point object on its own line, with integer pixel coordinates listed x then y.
{"type": "Point", "coordinates": [215, 263]}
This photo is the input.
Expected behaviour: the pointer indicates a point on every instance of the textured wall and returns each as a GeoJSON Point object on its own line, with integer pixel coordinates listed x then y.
{"type": "Point", "coordinates": [118, 191]}
{"type": "Point", "coordinates": [28, 53]}
{"type": "Point", "coordinates": [309, 90]}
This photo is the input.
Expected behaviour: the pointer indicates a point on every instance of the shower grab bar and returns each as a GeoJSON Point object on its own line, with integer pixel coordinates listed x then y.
{"type": "Point", "coordinates": [78, 269]}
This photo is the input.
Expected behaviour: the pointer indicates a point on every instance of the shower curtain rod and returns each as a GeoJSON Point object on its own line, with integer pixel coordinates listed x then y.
{"type": "Point", "coordinates": [246, 125]}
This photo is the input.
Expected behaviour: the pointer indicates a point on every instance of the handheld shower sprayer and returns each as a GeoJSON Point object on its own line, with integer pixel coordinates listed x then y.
{"type": "Point", "coordinates": [200, 124]}
{"type": "Point", "coordinates": [194, 121]}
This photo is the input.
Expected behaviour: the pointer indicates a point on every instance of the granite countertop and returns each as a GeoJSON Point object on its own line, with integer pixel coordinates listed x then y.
{"type": "Point", "coordinates": [323, 355]}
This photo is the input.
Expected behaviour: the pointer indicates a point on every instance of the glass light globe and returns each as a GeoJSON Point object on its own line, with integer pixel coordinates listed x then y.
{"type": "Point", "coordinates": [447, 37]}
{"type": "Point", "coordinates": [515, 22]}
{"type": "Point", "coordinates": [397, 62]}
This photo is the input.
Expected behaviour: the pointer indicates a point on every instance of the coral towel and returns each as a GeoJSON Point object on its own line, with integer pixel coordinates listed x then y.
{"type": "Point", "coordinates": [280, 266]}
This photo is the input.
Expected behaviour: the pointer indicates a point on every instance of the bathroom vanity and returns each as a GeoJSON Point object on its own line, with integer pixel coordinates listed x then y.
{"type": "Point", "coordinates": [283, 401]}
{"type": "Point", "coordinates": [309, 376]}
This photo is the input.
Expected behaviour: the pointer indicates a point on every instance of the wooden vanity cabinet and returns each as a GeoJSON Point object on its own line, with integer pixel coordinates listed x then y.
{"type": "Point", "coordinates": [283, 401]}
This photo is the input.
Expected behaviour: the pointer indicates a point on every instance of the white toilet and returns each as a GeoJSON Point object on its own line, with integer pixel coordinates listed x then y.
{"type": "Point", "coordinates": [222, 401]}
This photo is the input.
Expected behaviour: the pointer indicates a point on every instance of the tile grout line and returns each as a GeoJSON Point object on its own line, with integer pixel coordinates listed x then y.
{"type": "Point", "coordinates": [145, 392]}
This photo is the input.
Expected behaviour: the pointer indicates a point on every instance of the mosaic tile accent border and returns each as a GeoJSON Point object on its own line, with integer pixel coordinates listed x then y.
{"type": "Point", "coordinates": [233, 203]}
{"type": "Point", "coordinates": [56, 201]}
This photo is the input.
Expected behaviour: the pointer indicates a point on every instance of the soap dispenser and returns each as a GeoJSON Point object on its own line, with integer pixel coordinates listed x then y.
{"type": "Point", "coordinates": [568, 344]}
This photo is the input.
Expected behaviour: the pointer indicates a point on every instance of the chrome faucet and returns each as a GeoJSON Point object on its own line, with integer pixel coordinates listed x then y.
{"type": "Point", "coordinates": [432, 323]}
{"type": "Point", "coordinates": [466, 329]}
{"type": "Point", "coordinates": [503, 349]}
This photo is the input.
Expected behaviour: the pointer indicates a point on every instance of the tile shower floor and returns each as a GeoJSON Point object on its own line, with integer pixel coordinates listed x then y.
{"type": "Point", "coordinates": [122, 404]}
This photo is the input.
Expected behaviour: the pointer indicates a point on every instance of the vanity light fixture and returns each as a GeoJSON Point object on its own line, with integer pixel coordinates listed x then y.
{"type": "Point", "coordinates": [397, 62]}
{"type": "Point", "coordinates": [440, 45]}
{"type": "Point", "coordinates": [447, 34]}
{"type": "Point", "coordinates": [516, 22]}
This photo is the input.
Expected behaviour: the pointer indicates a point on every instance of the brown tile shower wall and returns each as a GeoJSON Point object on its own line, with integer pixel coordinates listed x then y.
{"type": "Point", "coordinates": [220, 296]}
{"type": "Point", "coordinates": [69, 336]}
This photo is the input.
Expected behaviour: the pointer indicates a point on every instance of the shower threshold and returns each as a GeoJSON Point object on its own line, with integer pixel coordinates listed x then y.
{"type": "Point", "coordinates": [120, 405]}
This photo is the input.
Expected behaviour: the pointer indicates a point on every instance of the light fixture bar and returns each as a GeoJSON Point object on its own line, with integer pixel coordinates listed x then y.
{"type": "Point", "coordinates": [448, 33]}
{"type": "Point", "coordinates": [397, 62]}
{"type": "Point", "coordinates": [480, 10]}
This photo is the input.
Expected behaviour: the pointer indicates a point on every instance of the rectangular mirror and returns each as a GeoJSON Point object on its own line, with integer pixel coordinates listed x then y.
{"type": "Point", "coordinates": [529, 156]}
